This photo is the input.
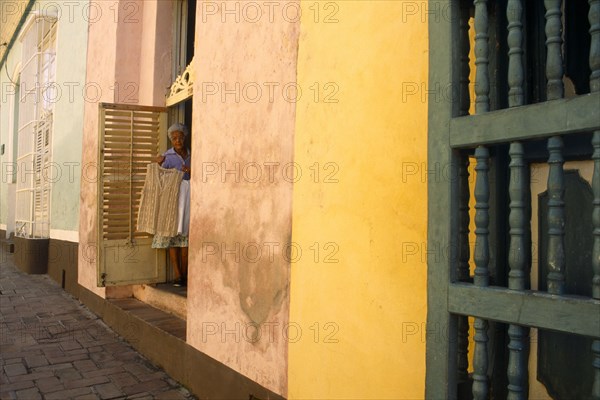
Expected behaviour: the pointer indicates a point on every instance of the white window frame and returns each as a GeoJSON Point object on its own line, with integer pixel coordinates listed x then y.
{"type": "Point", "coordinates": [35, 127]}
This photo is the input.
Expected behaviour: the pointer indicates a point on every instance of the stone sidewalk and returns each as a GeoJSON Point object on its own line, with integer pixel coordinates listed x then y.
{"type": "Point", "coordinates": [53, 347]}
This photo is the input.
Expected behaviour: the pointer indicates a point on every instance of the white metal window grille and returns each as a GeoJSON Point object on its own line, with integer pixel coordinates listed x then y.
{"type": "Point", "coordinates": [37, 98]}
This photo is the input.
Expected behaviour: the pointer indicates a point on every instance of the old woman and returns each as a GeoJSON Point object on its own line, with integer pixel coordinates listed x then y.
{"type": "Point", "coordinates": [178, 157]}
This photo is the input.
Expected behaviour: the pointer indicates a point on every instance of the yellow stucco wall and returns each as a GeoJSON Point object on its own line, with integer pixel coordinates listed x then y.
{"type": "Point", "coordinates": [369, 307]}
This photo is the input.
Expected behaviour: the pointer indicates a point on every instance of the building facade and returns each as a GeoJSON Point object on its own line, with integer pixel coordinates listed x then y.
{"type": "Point", "coordinates": [315, 242]}
{"type": "Point", "coordinates": [43, 89]}
{"type": "Point", "coordinates": [283, 220]}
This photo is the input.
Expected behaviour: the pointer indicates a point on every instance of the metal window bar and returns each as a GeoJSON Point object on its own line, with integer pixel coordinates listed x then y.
{"type": "Point", "coordinates": [37, 96]}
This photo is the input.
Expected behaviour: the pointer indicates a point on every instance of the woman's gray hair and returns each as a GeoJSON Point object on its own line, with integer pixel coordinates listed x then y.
{"type": "Point", "coordinates": [178, 128]}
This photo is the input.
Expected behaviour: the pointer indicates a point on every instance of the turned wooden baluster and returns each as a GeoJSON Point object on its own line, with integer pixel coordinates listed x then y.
{"type": "Point", "coordinates": [556, 217]}
{"type": "Point", "coordinates": [463, 268]}
{"type": "Point", "coordinates": [519, 181]}
{"type": "Point", "coordinates": [594, 18]}
{"type": "Point", "coordinates": [556, 187]}
{"type": "Point", "coordinates": [465, 68]}
{"type": "Point", "coordinates": [554, 63]}
{"type": "Point", "coordinates": [482, 194]}
{"type": "Point", "coordinates": [482, 258]}
{"type": "Point", "coordinates": [463, 175]}
{"type": "Point", "coordinates": [518, 276]}
{"type": "Point", "coordinates": [482, 78]}
{"type": "Point", "coordinates": [514, 13]}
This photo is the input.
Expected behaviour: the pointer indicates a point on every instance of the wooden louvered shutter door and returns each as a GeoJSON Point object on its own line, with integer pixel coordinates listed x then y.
{"type": "Point", "coordinates": [130, 138]}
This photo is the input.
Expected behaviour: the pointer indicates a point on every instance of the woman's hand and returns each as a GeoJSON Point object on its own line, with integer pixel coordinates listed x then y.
{"type": "Point", "coordinates": [186, 170]}
{"type": "Point", "coordinates": [160, 159]}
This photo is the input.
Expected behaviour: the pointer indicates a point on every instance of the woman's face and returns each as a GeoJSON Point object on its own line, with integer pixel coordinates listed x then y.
{"type": "Point", "coordinates": [177, 139]}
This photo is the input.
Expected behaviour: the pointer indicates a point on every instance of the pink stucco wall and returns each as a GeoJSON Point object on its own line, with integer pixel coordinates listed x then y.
{"type": "Point", "coordinates": [246, 299]}
{"type": "Point", "coordinates": [120, 69]}
{"type": "Point", "coordinates": [156, 52]}
{"type": "Point", "coordinates": [238, 298]}
{"type": "Point", "coordinates": [100, 78]}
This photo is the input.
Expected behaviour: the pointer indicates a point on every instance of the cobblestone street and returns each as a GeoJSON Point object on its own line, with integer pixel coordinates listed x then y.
{"type": "Point", "coordinates": [52, 347]}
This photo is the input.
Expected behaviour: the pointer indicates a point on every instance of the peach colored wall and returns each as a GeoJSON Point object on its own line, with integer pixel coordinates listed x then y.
{"type": "Point", "coordinates": [233, 296]}
{"type": "Point", "coordinates": [156, 50]}
{"type": "Point", "coordinates": [128, 46]}
{"type": "Point", "coordinates": [100, 77]}
{"type": "Point", "coordinates": [114, 67]}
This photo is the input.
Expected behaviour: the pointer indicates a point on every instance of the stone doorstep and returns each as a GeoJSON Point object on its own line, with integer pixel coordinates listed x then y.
{"type": "Point", "coordinates": [160, 297]}
{"type": "Point", "coordinates": [159, 335]}
{"type": "Point", "coordinates": [169, 330]}
{"type": "Point", "coordinates": [152, 316]}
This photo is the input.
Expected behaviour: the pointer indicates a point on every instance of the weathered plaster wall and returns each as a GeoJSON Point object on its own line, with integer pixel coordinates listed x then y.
{"type": "Point", "coordinates": [71, 49]}
{"type": "Point", "coordinates": [7, 115]}
{"type": "Point", "coordinates": [156, 50]}
{"type": "Point", "coordinates": [238, 294]}
{"type": "Point", "coordinates": [359, 290]}
{"type": "Point", "coordinates": [101, 64]}
{"type": "Point", "coordinates": [123, 70]}
{"type": "Point", "coordinates": [128, 52]}
{"type": "Point", "coordinates": [71, 44]}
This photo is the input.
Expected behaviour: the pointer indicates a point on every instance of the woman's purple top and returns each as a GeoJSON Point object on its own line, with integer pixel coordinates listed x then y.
{"type": "Point", "coordinates": [174, 160]}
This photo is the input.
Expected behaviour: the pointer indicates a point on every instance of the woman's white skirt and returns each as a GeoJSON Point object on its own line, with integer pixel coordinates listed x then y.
{"type": "Point", "coordinates": [183, 211]}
